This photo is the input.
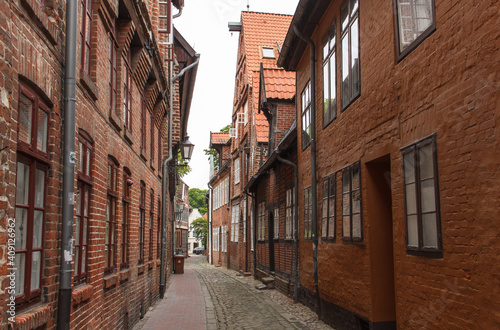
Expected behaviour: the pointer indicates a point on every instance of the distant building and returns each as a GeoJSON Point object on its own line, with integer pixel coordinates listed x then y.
{"type": "Point", "coordinates": [193, 241]}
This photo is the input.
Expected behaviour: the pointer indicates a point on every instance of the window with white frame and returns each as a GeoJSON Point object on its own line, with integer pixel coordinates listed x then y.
{"type": "Point", "coordinates": [215, 239]}
{"type": "Point", "coordinates": [329, 76]}
{"type": "Point", "coordinates": [415, 21]}
{"type": "Point", "coordinates": [290, 212]}
{"type": "Point", "coordinates": [235, 217]}
{"type": "Point", "coordinates": [236, 171]}
{"type": "Point", "coordinates": [423, 227]}
{"type": "Point", "coordinates": [276, 220]}
{"type": "Point", "coordinates": [224, 238]}
{"type": "Point", "coordinates": [261, 222]}
{"type": "Point", "coordinates": [252, 221]}
{"type": "Point", "coordinates": [306, 116]}
{"type": "Point", "coordinates": [351, 81]}
{"type": "Point", "coordinates": [245, 111]}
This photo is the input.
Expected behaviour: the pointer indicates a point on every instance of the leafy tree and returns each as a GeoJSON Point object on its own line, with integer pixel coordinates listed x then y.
{"type": "Point", "coordinates": [213, 152]}
{"type": "Point", "coordinates": [182, 170]}
{"type": "Point", "coordinates": [200, 229]}
{"type": "Point", "coordinates": [197, 200]}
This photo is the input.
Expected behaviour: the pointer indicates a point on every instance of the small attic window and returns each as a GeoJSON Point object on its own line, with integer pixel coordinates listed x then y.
{"type": "Point", "coordinates": [268, 52]}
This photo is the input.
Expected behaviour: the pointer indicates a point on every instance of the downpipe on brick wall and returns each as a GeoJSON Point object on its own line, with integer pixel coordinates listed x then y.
{"type": "Point", "coordinates": [209, 225]}
{"type": "Point", "coordinates": [69, 156]}
{"type": "Point", "coordinates": [172, 80]}
{"type": "Point", "coordinates": [296, 225]}
{"type": "Point", "coordinates": [312, 49]}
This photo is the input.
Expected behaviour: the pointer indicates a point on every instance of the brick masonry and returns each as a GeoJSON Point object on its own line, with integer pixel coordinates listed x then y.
{"type": "Point", "coordinates": [31, 52]}
{"type": "Point", "coordinates": [445, 87]}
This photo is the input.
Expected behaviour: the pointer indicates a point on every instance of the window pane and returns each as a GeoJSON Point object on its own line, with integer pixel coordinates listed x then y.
{"type": "Point", "coordinates": [78, 199]}
{"type": "Point", "coordinates": [35, 270]}
{"type": "Point", "coordinates": [87, 168]}
{"type": "Point", "coordinates": [19, 264]}
{"type": "Point", "coordinates": [84, 258]}
{"type": "Point", "coordinates": [344, 14]}
{"type": "Point", "coordinates": [412, 228]}
{"type": "Point", "coordinates": [356, 226]}
{"type": "Point", "coordinates": [345, 70]}
{"type": "Point", "coordinates": [78, 222]}
{"type": "Point", "coordinates": [346, 226]}
{"type": "Point", "coordinates": [331, 226]}
{"type": "Point", "coordinates": [427, 196]}
{"type": "Point", "coordinates": [23, 178]}
{"type": "Point", "coordinates": [39, 188]}
{"type": "Point", "coordinates": [21, 228]}
{"type": "Point", "coordinates": [411, 199]}
{"type": "Point", "coordinates": [429, 230]}
{"type": "Point", "coordinates": [333, 92]}
{"type": "Point", "coordinates": [106, 256]}
{"type": "Point", "coordinates": [409, 168]}
{"type": "Point", "coordinates": [346, 207]}
{"type": "Point", "coordinates": [354, 7]}
{"type": "Point", "coordinates": [84, 228]}
{"type": "Point", "coordinates": [86, 206]}
{"type": "Point", "coordinates": [79, 164]}
{"type": "Point", "coordinates": [355, 58]}
{"type": "Point", "coordinates": [25, 118]}
{"type": "Point", "coordinates": [356, 201]}
{"type": "Point", "coordinates": [326, 89]}
{"type": "Point", "coordinates": [77, 260]}
{"type": "Point", "coordinates": [355, 177]}
{"type": "Point", "coordinates": [426, 162]}
{"type": "Point", "coordinates": [42, 131]}
{"type": "Point", "coordinates": [37, 229]}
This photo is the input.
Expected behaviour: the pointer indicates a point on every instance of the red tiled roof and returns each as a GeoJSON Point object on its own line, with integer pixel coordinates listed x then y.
{"type": "Point", "coordinates": [263, 30]}
{"type": "Point", "coordinates": [219, 138]}
{"type": "Point", "coordinates": [261, 123]}
{"type": "Point", "coordinates": [280, 84]}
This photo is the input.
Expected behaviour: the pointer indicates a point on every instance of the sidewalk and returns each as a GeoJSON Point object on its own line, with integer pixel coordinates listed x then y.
{"type": "Point", "coordinates": [182, 308]}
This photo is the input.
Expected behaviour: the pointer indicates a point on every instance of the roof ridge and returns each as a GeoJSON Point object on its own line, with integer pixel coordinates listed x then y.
{"type": "Point", "coordinates": [261, 12]}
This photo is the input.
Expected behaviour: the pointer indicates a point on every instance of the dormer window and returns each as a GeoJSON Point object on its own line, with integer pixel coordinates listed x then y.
{"type": "Point", "coordinates": [268, 52]}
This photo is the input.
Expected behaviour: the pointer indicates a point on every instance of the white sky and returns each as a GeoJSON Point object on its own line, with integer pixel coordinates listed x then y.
{"type": "Point", "coordinates": [204, 26]}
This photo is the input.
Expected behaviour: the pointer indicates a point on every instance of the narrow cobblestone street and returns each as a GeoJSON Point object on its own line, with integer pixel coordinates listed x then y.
{"type": "Point", "coordinates": [206, 297]}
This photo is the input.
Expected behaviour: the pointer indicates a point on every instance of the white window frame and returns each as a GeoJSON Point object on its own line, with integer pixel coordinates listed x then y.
{"type": "Point", "coordinates": [236, 171]}
{"type": "Point", "coordinates": [235, 212]}
{"type": "Point", "coordinates": [276, 223]}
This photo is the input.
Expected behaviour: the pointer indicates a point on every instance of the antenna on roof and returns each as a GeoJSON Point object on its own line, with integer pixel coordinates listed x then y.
{"type": "Point", "coordinates": [248, 5]}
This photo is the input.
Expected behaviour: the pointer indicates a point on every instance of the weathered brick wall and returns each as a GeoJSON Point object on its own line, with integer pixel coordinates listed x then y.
{"type": "Point", "coordinates": [445, 86]}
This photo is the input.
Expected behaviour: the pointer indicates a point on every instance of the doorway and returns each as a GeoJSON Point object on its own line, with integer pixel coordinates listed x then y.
{"type": "Point", "coordinates": [379, 197]}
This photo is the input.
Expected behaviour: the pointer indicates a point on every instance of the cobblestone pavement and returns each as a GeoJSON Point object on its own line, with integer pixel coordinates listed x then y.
{"type": "Point", "coordinates": [231, 302]}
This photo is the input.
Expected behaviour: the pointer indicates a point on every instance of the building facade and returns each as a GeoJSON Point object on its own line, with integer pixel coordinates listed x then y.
{"type": "Point", "coordinates": [121, 142]}
{"type": "Point", "coordinates": [395, 120]}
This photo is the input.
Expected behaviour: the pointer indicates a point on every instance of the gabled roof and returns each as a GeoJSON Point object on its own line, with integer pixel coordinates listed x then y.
{"type": "Point", "coordinates": [263, 30]}
{"type": "Point", "coordinates": [218, 138]}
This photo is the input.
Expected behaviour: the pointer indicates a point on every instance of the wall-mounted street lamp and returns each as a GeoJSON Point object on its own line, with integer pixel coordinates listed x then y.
{"type": "Point", "coordinates": [187, 149]}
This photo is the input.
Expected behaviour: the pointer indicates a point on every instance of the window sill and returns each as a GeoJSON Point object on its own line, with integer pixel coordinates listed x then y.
{"type": "Point", "coordinates": [427, 254]}
{"type": "Point", "coordinates": [143, 154]}
{"type": "Point", "coordinates": [48, 23]}
{"type": "Point", "coordinates": [124, 275]}
{"type": "Point", "coordinates": [150, 264]}
{"type": "Point", "coordinates": [128, 136]}
{"type": "Point", "coordinates": [110, 281]}
{"type": "Point", "coordinates": [140, 269]}
{"type": "Point", "coordinates": [89, 85]}
{"type": "Point", "coordinates": [33, 319]}
{"type": "Point", "coordinates": [81, 294]}
{"type": "Point", "coordinates": [115, 120]}
{"type": "Point", "coordinates": [158, 263]}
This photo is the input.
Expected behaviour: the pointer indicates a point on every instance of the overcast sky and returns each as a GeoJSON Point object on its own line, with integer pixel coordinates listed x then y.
{"type": "Point", "coordinates": [204, 26]}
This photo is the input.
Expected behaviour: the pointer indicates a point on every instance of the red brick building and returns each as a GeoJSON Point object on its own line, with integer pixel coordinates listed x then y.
{"type": "Point", "coordinates": [261, 36]}
{"type": "Point", "coordinates": [220, 214]}
{"type": "Point", "coordinates": [396, 121]}
{"type": "Point", "coordinates": [122, 89]}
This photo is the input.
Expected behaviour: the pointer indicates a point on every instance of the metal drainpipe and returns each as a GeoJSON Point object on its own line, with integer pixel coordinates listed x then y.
{"type": "Point", "coordinates": [296, 225]}
{"type": "Point", "coordinates": [313, 164]}
{"type": "Point", "coordinates": [64, 301]}
{"type": "Point", "coordinates": [253, 198]}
